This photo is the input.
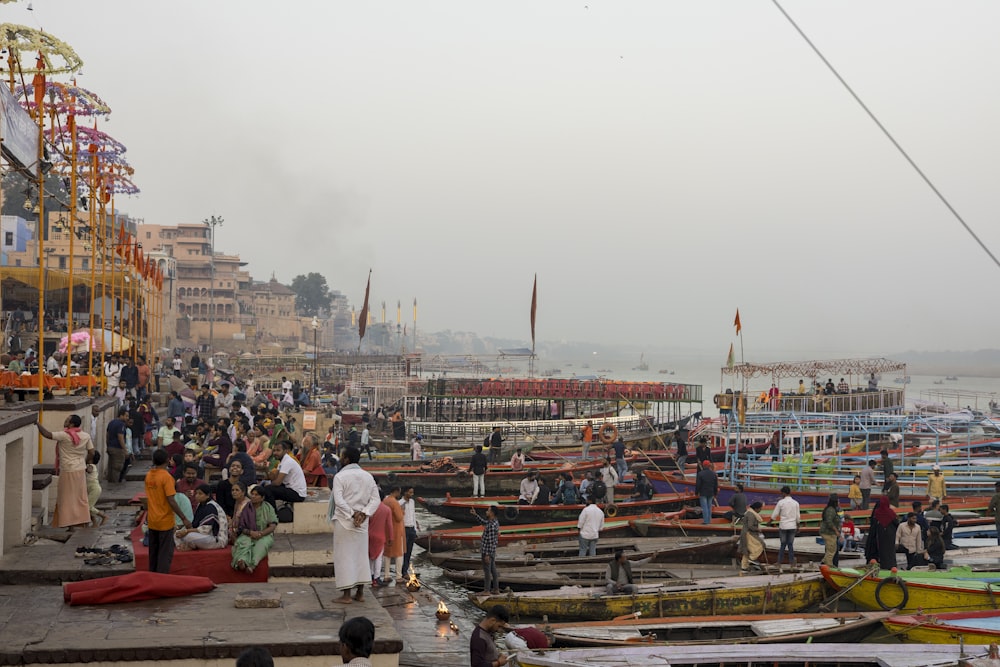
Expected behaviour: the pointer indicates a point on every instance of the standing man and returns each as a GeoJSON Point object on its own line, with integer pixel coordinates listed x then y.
{"type": "Point", "coordinates": [224, 402]}
{"type": "Point", "coordinates": [751, 538]}
{"type": "Point", "coordinates": [706, 487]}
{"type": "Point", "coordinates": [205, 405]}
{"type": "Point", "coordinates": [948, 525]}
{"type": "Point", "coordinates": [394, 549]}
{"type": "Point", "coordinates": [488, 548]}
{"type": "Point", "coordinates": [483, 650]}
{"type": "Point", "coordinates": [496, 442]}
{"type": "Point", "coordinates": [891, 490]}
{"type": "Point", "coordinates": [74, 451]}
{"type": "Point", "coordinates": [682, 451]}
{"type": "Point", "coordinates": [162, 508]}
{"type": "Point", "coordinates": [416, 447]}
{"type": "Point", "coordinates": [117, 447]}
{"type": "Point", "coordinates": [786, 514]}
{"type": "Point", "coordinates": [288, 482]}
{"type": "Point", "coordinates": [867, 482]}
{"type": "Point", "coordinates": [935, 484]}
{"type": "Point", "coordinates": [477, 468]}
{"type": "Point", "coordinates": [609, 476]}
{"type": "Point", "coordinates": [620, 465]}
{"type": "Point", "coordinates": [354, 499]}
{"type": "Point", "coordinates": [130, 376]}
{"type": "Point", "coordinates": [586, 437]}
{"type": "Point", "coordinates": [590, 524]}
{"type": "Point", "coordinates": [145, 375]}
{"type": "Point", "coordinates": [887, 468]}
{"type": "Point", "coordinates": [366, 441]}
{"type": "Point", "coordinates": [908, 536]}
{"type": "Point", "coordinates": [618, 576]}
{"type": "Point", "coordinates": [177, 364]}
{"type": "Point", "coordinates": [410, 527]}
{"type": "Point", "coordinates": [829, 529]}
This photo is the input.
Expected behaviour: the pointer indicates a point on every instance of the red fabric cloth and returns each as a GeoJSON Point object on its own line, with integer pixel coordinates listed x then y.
{"type": "Point", "coordinates": [534, 637]}
{"type": "Point", "coordinates": [216, 564]}
{"type": "Point", "coordinates": [134, 588]}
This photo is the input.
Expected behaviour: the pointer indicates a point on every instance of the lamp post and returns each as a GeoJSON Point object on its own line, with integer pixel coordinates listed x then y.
{"type": "Point", "coordinates": [212, 222]}
{"type": "Point", "coordinates": [315, 328]}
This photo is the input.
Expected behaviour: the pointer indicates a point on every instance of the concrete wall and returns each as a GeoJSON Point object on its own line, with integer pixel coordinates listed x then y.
{"type": "Point", "coordinates": [19, 453]}
{"type": "Point", "coordinates": [18, 450]}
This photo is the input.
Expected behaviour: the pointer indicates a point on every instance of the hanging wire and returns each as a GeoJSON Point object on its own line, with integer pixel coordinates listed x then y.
{"type": "Point", "coordinates": [888, 135]}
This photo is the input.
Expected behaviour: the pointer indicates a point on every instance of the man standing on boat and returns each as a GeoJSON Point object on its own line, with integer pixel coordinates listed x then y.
{"type": "Point", "coordinates": [892, 490]}
{"type": "Point", "coordinates": [488, 548]}
{"type": "Point", "coordinates": [887, 468]}
{"type": "Point", "coordinates": [586, 437]}
{"type": "Point", "coordinates": [590, 523]}
{"type": "Point", "coordinates": [610, 478]}
{"type": "Point", "coordinates": [477, 468]}
{"type": "Point", "coordinates": [936, 484]}
{"type": "Point", "coordinates": [786, 514]}
{"type": "Point", "coordinates": [706, 486]}
{"type": "Point", "coordinates": [867, 475]}
{"type": "Point", "coordinates": [620, 464]}
{"type": "Point", "coordinates": [619, 575]}
{"type": "Point", "coordinates": [751, 538]}
{"type": "Point", "coordinates": [496, 442]}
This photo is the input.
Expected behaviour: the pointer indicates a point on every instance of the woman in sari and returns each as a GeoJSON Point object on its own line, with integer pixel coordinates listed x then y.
{"type": "Point", "coordinates": [254, 541]}
{"type": "Point", "coordinates": [751, 538]}
{"type": "Point", "coordinates": [210, 527]}
{"type": "Point", "coordinates": [243, 515]}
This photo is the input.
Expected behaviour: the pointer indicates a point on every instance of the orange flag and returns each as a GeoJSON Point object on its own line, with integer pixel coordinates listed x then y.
{"type": "Point", "coordinates": [739, 327]}
{"type": "Point", "coordinates": [122, 242]}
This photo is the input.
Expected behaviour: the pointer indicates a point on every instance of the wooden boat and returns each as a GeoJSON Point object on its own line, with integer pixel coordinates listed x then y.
{"type": "Point", "coordinates": [544, 576]}
{"type": "Point", "coordinates": [500, 479]}
{"type": "Point", "coordinates": [955, 589]}
{"type": "Point", "coordinates": [807, 549]}
{"type": "Point", "coordinates": [735, 629]}
{"type": "Point", "coordinates": [565, 553]}
{"type": "Point", "coordinates": [969, 627]}
{"type": "Point", "coordinates": [464, 538]}
{"type": "Point", "coordinates": [741, 655]}
{"type": "Point", "coordinates": [457, 509]}
{"type": "Point", "coordinates": [669, 526]}
{"type": "Point", "coordinates": [781, 593]}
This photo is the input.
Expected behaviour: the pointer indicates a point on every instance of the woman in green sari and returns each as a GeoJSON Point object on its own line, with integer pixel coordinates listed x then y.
{"type": "Point", "coordinates": [254, 541]}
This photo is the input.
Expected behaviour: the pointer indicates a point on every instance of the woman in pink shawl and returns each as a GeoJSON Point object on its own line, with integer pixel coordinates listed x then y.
{"type": "Point", "coordinates": [74, 450]}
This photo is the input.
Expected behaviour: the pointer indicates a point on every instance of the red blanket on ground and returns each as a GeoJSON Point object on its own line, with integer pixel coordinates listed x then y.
{"type": "Point", "coordinates": [134, 588]}
{"type": "Point", "coordinates": [216, 564]}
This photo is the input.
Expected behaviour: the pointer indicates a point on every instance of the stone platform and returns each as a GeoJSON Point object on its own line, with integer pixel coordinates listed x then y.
{"type": "Point", "coordinates": [39, 628]}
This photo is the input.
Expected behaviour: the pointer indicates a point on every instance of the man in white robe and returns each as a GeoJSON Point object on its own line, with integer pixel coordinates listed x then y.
{"type": "Point", "coordinates": [353, 501]}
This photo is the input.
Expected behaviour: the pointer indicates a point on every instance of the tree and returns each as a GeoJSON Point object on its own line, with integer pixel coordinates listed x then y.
{"type": "Point", "coordinates": [312, 294]}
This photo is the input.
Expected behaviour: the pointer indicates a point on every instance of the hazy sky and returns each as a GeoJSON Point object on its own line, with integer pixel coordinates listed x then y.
{"type": "Point", "coordinates": [658, 164]}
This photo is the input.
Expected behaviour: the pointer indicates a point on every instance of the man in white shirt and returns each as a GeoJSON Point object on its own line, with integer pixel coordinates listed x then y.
{"type": "Point", "coordinates": [224, 402]}
{"type": "Point", "coordinates": [112, 371]}
{"type": "Point", "coordinates": [410, 527]}
{"type": "Point", "coordinates": [288, 482]}
{"type": "Point", "coordinates": [366, 441]}
{"type": "Point", "coordinates": [786, 514]}
{"type": "Point", "coordinates": [52, 365]}
{"type": "Point", "coordinates": [529, 489]}
{"type": "Point", "coordinates": [286, 385]}
{"type": "Point", "coordinates": [609, 475]}
{"type": "Point", "coordinates": [354, 499]}
{"type": "Point", "coordinates": [177, 364]}
{"type": "Point", "coordinates": [165, 435]}
{"type": "Point", "coordinates": [590, 523]}
{"type": "Point", "coordinates": [416, 447]}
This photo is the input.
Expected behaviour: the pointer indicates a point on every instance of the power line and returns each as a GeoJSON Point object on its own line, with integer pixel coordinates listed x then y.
{"type": "Point", "coordinates": [888, 135]}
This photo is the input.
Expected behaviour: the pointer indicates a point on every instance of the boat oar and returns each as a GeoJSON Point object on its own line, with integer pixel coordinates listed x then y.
{"type": "Point", "coordinates": [530, 438]}
{"type": "Point", "coordinates": [662, 444]}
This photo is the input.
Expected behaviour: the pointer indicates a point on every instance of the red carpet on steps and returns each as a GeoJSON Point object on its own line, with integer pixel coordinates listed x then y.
{"type": "Point", "coordinates": [212, 563]}
{"type": "Point", "coordinates": [134, 587]}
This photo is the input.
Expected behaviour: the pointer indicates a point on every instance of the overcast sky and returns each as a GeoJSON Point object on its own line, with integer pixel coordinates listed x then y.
{"type": "Point", "coordinates": [659, 164]}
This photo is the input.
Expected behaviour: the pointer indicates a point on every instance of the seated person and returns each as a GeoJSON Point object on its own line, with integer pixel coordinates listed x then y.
{"type": "Point", "coordinates": [566, 492]}
{"type": "Point", "coordinates": [219, 447]}
{"type": "Point", "coordinates": [288, 483]}
{"type": "Point", "coordinates": [543, 496]}
{"type": "Point", "coordinates": [254, 538]}
{"type": "Point", "coordinates": [210, 526]}
{"type": "Point", "coordinates": [224, 489]}
{"type": "Point", "coordinates": [312, 461]}
{"type": "Point", "coordinates": [642, 489]}
{"type": "Point", "coordinates": [249, 475]}
{"type": "Point", "coordinates": [619, 575]}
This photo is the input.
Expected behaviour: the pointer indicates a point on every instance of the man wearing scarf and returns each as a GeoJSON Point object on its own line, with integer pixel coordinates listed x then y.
{"type": "Point", "coordinates": [74, 450]}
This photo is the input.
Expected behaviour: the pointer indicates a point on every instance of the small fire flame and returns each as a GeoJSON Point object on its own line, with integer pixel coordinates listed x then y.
{"type": "Point", "coordinates": [412, 584]}
{"type": "Point", "coordinates": [442, 607]}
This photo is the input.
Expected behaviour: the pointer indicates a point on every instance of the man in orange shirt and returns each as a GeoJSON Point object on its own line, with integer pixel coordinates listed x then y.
{"type": "Point", "coordinates": [161, 508]}
{"type": "Point", "coordinates": [587, 437]}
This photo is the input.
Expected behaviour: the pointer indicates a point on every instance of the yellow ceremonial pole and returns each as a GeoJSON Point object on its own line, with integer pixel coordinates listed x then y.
{"type": "Point", "coordinates": [92, 222]}
{"type": "Point", "coordinates": [39, 90]}
{"type": "Point", "coordinates": [70, 324]}
{"type": "Point", "coordinates": [99, 202]}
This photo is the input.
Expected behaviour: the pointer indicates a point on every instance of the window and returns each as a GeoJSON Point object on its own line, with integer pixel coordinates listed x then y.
{"type": "Point", "coordinates": [62, 262]}
{"type": "Point", "coordinates": [149, 235]}
{"type": "Point", "coordinates": [86, 261]}
{"type": "Point", "coordinates": [17, 262]}
{"type": "Point", "coordinates": [8, 238]}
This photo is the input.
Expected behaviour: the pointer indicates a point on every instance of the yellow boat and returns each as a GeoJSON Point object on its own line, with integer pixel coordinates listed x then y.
{"type": "Point", "coordinates": [973, 627]}
{"type": "Point", "coordinates": [759, 594]}
{"type": "Point", "coordinates": [956, 589]}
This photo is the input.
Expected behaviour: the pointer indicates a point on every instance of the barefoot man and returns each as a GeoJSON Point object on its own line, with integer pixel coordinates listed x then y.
{"type": "Point", "coordinates": [354, 499]}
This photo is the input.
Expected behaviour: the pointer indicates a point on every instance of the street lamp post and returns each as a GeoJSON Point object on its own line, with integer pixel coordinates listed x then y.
{"type": "Point", "coordinates": [212, 222]}
{"type": "Point", "coordinates": [315, 328]}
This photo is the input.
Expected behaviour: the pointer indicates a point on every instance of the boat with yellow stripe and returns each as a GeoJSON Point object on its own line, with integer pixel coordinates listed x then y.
{"type": "Point", "coordinates": [963, 627]}
{"type": "Point", "coordinates": [760, 594]}
{"type": "Point", "coordinates": [955, 589]}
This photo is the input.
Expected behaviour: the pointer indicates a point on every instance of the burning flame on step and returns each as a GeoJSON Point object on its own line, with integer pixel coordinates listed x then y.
{"type": "Point", "coordinates": [412, 584]}
{"type": "Point", "coordinates": [442, 612]}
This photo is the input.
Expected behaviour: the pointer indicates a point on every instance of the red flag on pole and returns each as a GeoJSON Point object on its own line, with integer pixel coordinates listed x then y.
{"type": "Point", "coordinates": [534, 309]}
{"type": "Point", "coordinates": [736, 323]}
{"type": "Point", "coordinates": [363, 318]}
{"type": "Point", "coordinates": [122, 242]}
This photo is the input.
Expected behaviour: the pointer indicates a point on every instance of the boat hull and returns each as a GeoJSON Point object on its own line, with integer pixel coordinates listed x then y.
{"type": "Point", "coordinates": [512, 513]}
{"type": "Point", "coordinates": [942, 591]}
{"type": "Point", "coordinates": [744, 595]}
{"type": "Point", "coordinates": [499, 480]}
{"type": "Point", "coordinates": [947, 628]}
{"type": "Point", "coordinates": [465, 538]}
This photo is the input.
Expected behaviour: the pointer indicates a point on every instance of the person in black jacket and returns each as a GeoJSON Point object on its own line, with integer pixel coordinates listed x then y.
{"type": "Point", "coordinates": [544, 495]}
{"type": "Point", "coordinates": [706, 487]}
{"type": "Point", "coordinates": [477, 468]}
